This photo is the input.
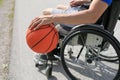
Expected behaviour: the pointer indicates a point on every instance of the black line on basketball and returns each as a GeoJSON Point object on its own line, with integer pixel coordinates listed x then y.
{"type": "Point", "coordinates": [51, 42]}
{"type": "Point", "coordinates": [36, 30]}
{"type": "Point", "coordinates": [52, 38]}
{"type": "Point", "coordinates": [42, 38]}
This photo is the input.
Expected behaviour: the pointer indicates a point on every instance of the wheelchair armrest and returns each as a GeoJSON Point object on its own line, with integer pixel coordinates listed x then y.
{"type": "Point", "coordinates": [75, 27]}
{"type": "Point", "coordinates": [88, 26]}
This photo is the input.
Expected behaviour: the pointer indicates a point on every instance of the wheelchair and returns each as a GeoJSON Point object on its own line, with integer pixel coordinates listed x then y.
{"type": "Point", "coordinates": [90, 52]}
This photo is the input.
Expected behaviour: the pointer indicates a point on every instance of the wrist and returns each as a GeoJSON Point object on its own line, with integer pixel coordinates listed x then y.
{"type": "Point", "coordinates": [53, 18]}
{"type": "Point", "coordinates": [50, 18]}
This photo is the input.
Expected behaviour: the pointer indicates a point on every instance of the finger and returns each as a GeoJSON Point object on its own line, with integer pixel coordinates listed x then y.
{"type": "Point", "coordinates": [38, 26]}
{"type": "Point", "coordinates": [33, 21]}
{"type": "Point", "coordinates": [34, 24]}
{"type": "Point", "coordinates": [72, 3]}
{"type": "Point", "coordinates": [42, 22]}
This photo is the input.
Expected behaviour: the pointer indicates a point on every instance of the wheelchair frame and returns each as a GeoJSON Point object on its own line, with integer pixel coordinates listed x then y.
{"type": "Point", "coordinates": [108, 20]}
{"type": "Point", "coordinates": [95, 56]}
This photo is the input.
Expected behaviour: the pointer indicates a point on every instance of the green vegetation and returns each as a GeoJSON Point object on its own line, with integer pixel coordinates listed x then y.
{"type": "Point", "coordinates": [11, 16]}
{"type": "Point", "coordinates": [1, 2]}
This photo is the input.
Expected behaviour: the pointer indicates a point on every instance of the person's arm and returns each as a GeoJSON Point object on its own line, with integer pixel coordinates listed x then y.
{"type": "Point", "coordinates": [75, 3]}
{"type": "Point", "coordinates": [90, 15]}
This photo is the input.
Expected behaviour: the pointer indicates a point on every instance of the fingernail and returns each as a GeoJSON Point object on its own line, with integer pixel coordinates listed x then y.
{"type": "Point", "coordinates": [35, 29]}
{"type": "Point", "coordinates": [30, 28]}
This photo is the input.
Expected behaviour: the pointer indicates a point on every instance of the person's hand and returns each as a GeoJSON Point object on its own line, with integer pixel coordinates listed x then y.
{"type": "Point", "coordinates": [75, 3]}
{"type": "Point", "coordinates": [39, 21]}
{"type": "Point", "coordinates": [33, 23]}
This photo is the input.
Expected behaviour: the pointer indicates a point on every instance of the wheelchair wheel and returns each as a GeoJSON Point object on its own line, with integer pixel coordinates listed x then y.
{"type": "Point", "coordinates": [49, 71]}
{"type": "Point", "coordinates": [85, 62]}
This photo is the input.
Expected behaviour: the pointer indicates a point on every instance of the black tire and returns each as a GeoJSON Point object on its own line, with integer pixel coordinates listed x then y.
{"type": "Point", "coordinates": [37, 65]}
{"type": "Point", "coordinates": [87, 70]}
{"type": "Point", "coordinates": [109, 58]}
{"type": "Point", "coordinates": [119, 17]}
{"type": "Point", "coordinates": [49, 71]}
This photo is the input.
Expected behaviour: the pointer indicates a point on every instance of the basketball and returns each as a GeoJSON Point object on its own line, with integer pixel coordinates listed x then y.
{"type": "Point", "coordinates": [43, 40]}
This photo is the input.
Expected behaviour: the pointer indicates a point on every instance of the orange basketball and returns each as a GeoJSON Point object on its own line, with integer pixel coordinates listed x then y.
{"type": "Point", "coordinates": [43, 40]}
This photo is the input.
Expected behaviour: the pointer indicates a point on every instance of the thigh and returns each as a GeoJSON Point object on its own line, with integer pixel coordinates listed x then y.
{"type": "Point", "coordinates": [61, 30]}
{"type": "Point", "coordinates": [67, 11]}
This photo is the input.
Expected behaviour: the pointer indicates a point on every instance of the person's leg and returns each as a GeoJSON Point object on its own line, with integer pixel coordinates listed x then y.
{"type": "Point", "coordinates": [61, 30]}
{"type": "Point", "coordinates": [62, 7]}
{"type": "Point", "coordinates": [47, 11]}
{"type": "Point", "coordinates": [58, 9]}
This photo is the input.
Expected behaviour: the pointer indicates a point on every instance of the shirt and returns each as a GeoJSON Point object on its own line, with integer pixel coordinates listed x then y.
{"type": "Point", "coordinates": [107, 1]}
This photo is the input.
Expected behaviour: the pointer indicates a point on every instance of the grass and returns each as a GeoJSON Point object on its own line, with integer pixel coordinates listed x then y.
{"type": "Point", "coordinates": [1, 2]}
{"type": "Point", "coordinates": [11, 16]}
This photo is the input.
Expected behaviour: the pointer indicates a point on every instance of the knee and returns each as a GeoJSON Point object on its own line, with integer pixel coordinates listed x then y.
{"type": "Point", "coordinates": [47, 11]}
{"type": "Point", "coordinates": [63, 7]}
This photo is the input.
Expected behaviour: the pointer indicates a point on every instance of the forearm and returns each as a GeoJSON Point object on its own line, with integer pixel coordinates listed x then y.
{"type": "Point", "coordinates": [79, 2]}
{"type": "Point", "coordinates": [88, 16]}
{"type": "Point", "coordinates": [82, 17]}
